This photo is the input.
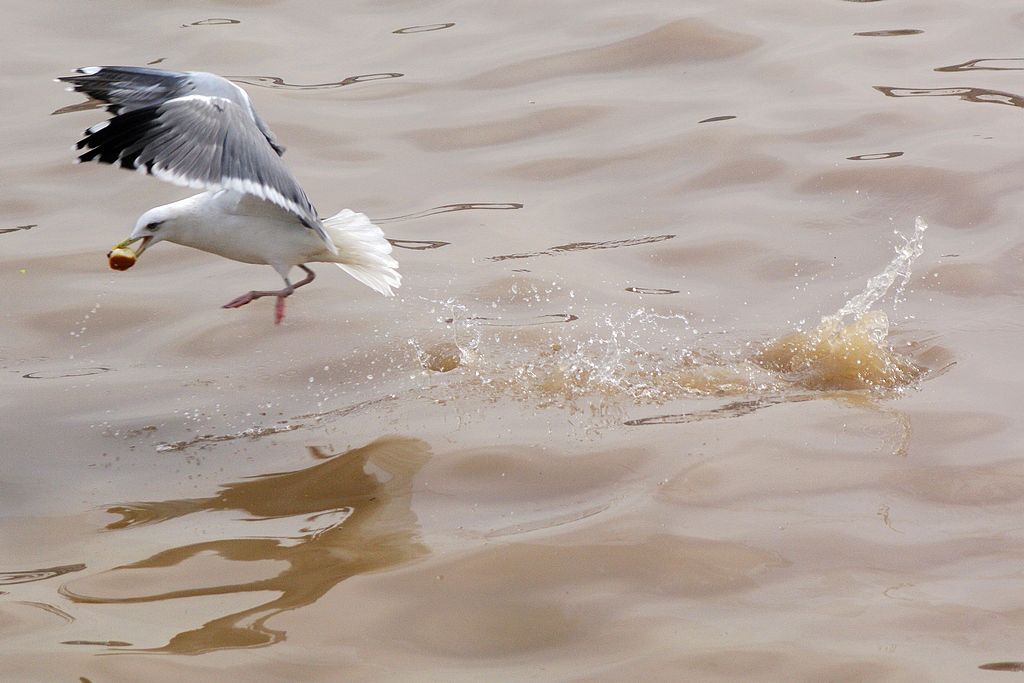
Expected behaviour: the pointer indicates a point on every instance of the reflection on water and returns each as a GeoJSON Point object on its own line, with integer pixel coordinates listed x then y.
{"type": "Point", "coordinates": [348, 514]}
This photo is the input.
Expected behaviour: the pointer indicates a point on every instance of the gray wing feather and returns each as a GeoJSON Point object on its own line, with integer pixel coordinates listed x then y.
{"type": "Point", "coordinates": [127, 88]}
{"type": "Point", "coordinates": [211, 139]}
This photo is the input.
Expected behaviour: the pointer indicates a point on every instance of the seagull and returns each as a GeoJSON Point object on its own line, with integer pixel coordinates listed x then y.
{"type": "Point", "coordinates": [200, 130]}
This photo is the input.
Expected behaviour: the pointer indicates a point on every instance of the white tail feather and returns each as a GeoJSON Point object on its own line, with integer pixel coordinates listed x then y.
{"type": "Point", "coordinates": [363, 251]}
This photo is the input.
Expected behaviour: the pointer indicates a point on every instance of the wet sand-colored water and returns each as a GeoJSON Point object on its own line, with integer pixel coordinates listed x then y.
{"type": "Point", "coordinates": [676, 386]}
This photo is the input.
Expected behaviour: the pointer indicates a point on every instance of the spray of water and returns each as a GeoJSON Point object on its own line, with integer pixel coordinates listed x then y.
{"type": "Point", "coordinates": [643, 356]}
{"type": "Point", "coordinates": [896, 273]}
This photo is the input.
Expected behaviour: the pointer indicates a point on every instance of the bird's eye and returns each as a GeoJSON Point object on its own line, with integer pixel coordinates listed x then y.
{"type": "Point", "coordinates": [152, 227]}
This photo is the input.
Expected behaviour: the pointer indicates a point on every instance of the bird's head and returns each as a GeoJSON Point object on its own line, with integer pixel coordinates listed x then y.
{"type": "Point", "coordinates": [154, 226]}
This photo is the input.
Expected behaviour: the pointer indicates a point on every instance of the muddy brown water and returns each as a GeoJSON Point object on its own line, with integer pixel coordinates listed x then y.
{"type": "Point", "coordinates": [569, 449]}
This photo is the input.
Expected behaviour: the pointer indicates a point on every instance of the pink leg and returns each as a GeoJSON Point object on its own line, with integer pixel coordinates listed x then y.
{"type": "Point", "coordinates": [281, 294]}
{"type": "Point", "coordinates": [279, 310]}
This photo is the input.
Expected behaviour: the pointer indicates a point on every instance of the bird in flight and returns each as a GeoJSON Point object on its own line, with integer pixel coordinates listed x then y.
{"type": "Point", "coordinates": [199, 130]}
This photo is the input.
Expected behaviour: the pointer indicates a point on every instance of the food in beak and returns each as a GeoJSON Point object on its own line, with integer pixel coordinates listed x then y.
{"type": "Point", "coordinates": [121, 258]}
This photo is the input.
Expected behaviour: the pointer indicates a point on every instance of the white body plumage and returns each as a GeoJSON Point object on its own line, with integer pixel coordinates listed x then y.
{"type": "Point", "coordinates": [247, 229]}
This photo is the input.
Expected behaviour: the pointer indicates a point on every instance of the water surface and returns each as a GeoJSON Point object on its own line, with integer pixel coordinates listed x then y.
{"type": "Point", "coordinates": [673, 387]}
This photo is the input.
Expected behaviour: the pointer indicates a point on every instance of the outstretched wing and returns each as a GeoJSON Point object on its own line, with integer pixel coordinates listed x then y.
{"type": "Point", "coordinates": [192, 129]}
{"type": "Point", "coordinates": [129, 87]}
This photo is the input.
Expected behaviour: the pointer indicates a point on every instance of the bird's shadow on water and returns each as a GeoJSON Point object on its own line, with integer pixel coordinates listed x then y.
{"type": "Point", "coordinates": [346, 515]}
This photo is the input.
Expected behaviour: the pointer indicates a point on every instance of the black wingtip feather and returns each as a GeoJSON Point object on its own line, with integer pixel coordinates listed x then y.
{"type": "Point", "coordinates": [120, 139]}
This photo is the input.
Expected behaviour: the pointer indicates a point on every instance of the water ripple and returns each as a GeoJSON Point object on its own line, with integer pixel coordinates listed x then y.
{"type": "Point", "coordinates": [280, 84]}
{"type": "Point", "coordinates": [4, 231]}
{"type": "Point", "coordinates": [213, 21]}
{"type": "Point", "coordinates": [968, 94]}
{"type": "Point", "coordinates": [875, 157]}
{"type": "Point", "coordinates": [976, 65]}
{"type": "Point", "coordinates": [30, 575]}
{"type": "Point", "coordinates": [732, 409]}
{"type": "Point", "coordinates": [424, 28]}
{"type": "Point", "coordinates": [584, 246]}
{"type": "Point", "coordinates": [418, 245]}
{"type": "Point", "coordinates": [445, 208]}
{"type": "Point", "coordinates": [890, 33]}
{"type": "Point", "coordinates": [50, 609]}
{"type": "Point", "coordinates": [61, 374]}
{"type": "Point", "coordinates": [506, 322]}
{"type": "Point", "coordinates": [651, 290]}
{"type": "Point", "coordinates": [251, 433]}
{"type": "Point", "coordinates": [1003, 666]}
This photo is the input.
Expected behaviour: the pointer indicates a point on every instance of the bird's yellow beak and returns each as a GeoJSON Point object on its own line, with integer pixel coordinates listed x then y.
{"type": "Point", "coordinates": [123, 244]}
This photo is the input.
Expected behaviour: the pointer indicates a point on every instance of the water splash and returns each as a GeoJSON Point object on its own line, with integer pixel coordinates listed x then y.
{"type": "Point", "coordinates": [896, 273]}
{"type": "Point", "coordinates": [849, 349]}
{"type": "Point", "coordinates": [643, 356]}
{"type": "Point", "coordinates": [611, 356]}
